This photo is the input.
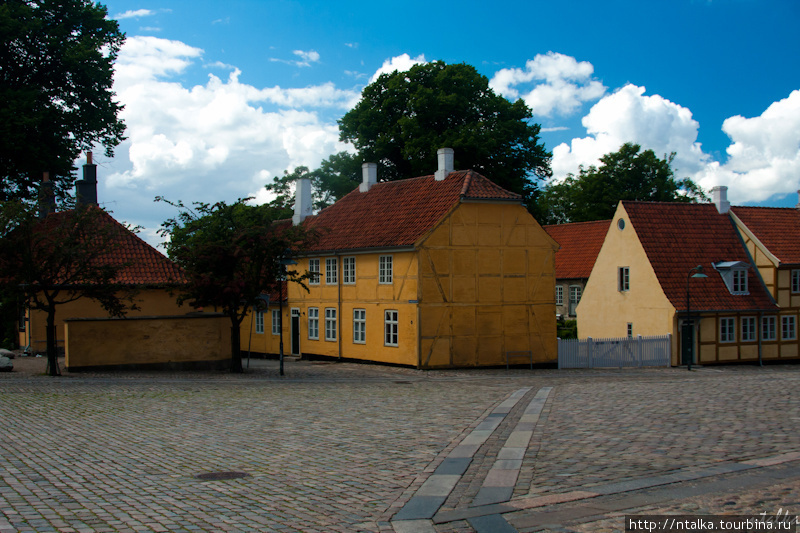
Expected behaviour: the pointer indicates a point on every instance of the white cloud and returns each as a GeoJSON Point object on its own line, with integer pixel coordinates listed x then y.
{"type": "Point", "coordinates": [306, 58]}
{"type": "Point", "coordinates": [132, 14]}
{"type": "Point", "coordinates": [561, 84]}
{"type": "Point", "coordinates": [763, 158]}
{"type": "Point", "coordinates": [627, 115]}
{"type": "Point", "coordinates": [218, 141]}
{"type": "Point", "coordinates": [399, 63]}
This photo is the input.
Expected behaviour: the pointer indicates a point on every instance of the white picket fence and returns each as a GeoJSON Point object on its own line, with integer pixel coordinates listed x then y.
{"type": "Point", "coordinates": [622, 352]}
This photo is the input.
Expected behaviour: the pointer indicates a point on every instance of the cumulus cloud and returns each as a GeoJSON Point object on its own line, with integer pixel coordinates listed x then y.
{"type": "Point", "coordinates": [218, 141]}
{"type": "Point", "coordinates": [561, 84]}
{"type": "Point", "coordinates": [764, 155]}
{"type": "Point", "coordinates": [627, 115]}
{"type": "Point", "coordinates": [399, 63]}
{"type": "Point", "coordinates": [763, 158]}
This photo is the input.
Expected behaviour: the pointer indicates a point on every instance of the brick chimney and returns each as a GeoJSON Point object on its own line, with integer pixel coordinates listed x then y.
{"type": "Point", "coordinates": [302, 200]}
{"type": "Point", "coordinates": [446, 165]}
{"type": "Point", "coordinates": [47, 196]}
{"type": "Point", "coordinates": [86, 189]}
{"type": "Point", "coordinates": [369, 174]}
{"type": "Point", "coordinates": [719, 196]}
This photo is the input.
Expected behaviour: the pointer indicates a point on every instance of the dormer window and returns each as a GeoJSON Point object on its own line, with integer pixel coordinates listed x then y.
{"type": "Point", "coordinates": [734, 274]}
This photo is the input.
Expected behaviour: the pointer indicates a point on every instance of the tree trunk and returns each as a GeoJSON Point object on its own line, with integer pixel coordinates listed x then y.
{"type": "Point", "coordinates": [52, 342]}
{"type": "Point", "coordinates": [236, 351]}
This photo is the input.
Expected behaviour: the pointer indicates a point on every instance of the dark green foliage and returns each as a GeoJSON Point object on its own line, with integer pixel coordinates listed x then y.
{"type": "Point", "coordinates": [627, 174]}
{"type": "Point", "coordinates": [56, 75]}
{"type": "Point", "coordinates": [567, 329]}
{"type": "Point", "coordinates": [231, 256]}
{"type": "Point", "coordinates": [403, 118]}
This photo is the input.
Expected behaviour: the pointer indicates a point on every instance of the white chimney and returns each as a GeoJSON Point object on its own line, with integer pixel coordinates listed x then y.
{"type": "Point", "coordinates": [798, 203]}
{"type": "Point", "coordinates": [446, 165]}
{"type": "Point", "coordinates": [302, 200]}
{"type": "Point", "coordinates": [369, 173]}
{"type": "Point", "coordinates": [719, 196]}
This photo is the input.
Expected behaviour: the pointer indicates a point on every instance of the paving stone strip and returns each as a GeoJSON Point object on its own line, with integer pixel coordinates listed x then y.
{"type": "Point", "coordinates": [498, 486]}
{"type": "Point", "coordinates": [415, 515]}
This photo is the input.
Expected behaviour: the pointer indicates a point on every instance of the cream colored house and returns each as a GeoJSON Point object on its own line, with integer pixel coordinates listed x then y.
{"type": "Point", "coordinates": [642, 284]}
{"type": "Point", "coordinates": [446, 270]}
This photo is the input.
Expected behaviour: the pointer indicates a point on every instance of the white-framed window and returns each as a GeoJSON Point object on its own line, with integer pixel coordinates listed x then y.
{"type": "Point", "coordinates": [259, 321]}
{"type": "Point", "coordinates": [390, 327]}
{"type": "Point", "coordinates": [748, 329]}
{"type": "Point", "coordinates": [313, 323]}
{"type": "Point", "coordinates": [624, 279]}
{"type": "Point", "coordinates": [768, 328]}
{"type": "Point", "coordinates": [276, 322]}
{"type": "Point", "coordinates": [559, 295]}
{"type": "Point", "coordinates": [348, 270]}
{"type": "Point", "coordinates": [313, 268]}
{"type": "Point", "coordinates": [330, 323]}
{"type": "Point", "coordinates": [385, 269]}
{"type": "Point", "coordinates": [795, 281]}
{"type": "Point", "coordinates": [739, 285]}
{"type": "Point", "coordinates": [574, 298]}
{"type": "Point", "coordinates": [788, 327]}
{"type": "Point", "coordinates": [331, 271]}
{"type": "Point", "coordinates": [727, 329]}
{"type": "Point", "coordinates": [359, 326]}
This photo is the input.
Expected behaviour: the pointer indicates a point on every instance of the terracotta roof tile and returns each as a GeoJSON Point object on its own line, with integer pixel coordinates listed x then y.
{"type": "Point", "coordinates": [143, 264]}
{"type": "Point", "coordinates": [397, 213]}
{"type": "Point", "coordinates": [678, 237]}
{"type": "Point", "coordinates": [580, 243]}
{"type": "Point", "coordinates": [777, 228]}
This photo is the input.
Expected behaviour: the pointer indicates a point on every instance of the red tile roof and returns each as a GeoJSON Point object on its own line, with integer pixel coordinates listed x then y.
{"type": "Point", "coordinates": [140, 263]}
{"type": "Point", "coordinates": [777, 228]}
{"type": "Point", "coordinates": [397, 213]}
{"type": "Point", "coordinates": [580, 243]}
{"type": "Point", "coordinates": [678, 237]}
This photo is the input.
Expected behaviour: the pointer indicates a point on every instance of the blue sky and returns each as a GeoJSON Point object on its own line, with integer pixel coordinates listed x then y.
{"type": "Point", "coordinates": [221, 96]}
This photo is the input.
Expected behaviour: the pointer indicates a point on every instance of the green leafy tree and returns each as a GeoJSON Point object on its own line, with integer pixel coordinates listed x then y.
{"type": "Point", "coordinates": [337, 175]}
{"type": "Point", "coordinates": [403, 118]}
{"type": "Point", "coordinates": [63, 257]}
{"type": "Point", "coordinates": [231, 255]}
{"type": "Point", "coordinates": [56, 75]}
{"type": "Point", "coordinates": [627, 174]}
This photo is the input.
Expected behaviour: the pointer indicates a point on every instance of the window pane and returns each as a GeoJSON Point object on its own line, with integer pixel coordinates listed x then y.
{"type": "Point", "coordinates": [313, 323]}
{"type": "Point", "coordinates": [313, 268]}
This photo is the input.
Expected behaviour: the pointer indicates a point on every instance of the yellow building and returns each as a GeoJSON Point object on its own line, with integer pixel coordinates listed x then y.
{"type": "Point", "coordinates": [141, 266]}
{"type": "Point", "coordinates": [447, 270]}
{"type": "Point", "coordinates": [642, 284]}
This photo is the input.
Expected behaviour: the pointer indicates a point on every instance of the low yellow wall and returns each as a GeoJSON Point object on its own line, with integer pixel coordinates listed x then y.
{"type": "Point", "coordinates": [185, 340]}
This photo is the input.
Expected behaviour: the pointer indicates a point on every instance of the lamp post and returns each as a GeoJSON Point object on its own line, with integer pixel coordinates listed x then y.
{"type": "Point", "coordinates": [285, 259]}
{"type": "Point", "coordinates": [698, 273]}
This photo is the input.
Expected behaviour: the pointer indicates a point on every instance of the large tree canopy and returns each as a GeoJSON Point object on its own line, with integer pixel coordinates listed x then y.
{"type": "Point", "coordinates": [56, 75]}
{"type": "Point", "coordinates": [231, 256]}
{"type": "Point", "coordinates": [627, 174]}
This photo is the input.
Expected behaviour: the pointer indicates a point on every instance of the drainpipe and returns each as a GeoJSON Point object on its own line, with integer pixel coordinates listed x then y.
{"type": "Point", "coordinates": [339, 273]}
{"type": "Point", "coordinates": [758, 329]}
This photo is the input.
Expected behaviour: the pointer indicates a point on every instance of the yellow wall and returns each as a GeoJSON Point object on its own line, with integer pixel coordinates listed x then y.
{"type": "Point", "coordinates": [487, 287]}
{"type": "Point", "coordinates": [366, 293]}
{"type": "Point", "coordinates": [152, 302]}
{"type": "Point", "coordinates": [144, 341]}
{"type": "Point", "coordinates": [604, 311]}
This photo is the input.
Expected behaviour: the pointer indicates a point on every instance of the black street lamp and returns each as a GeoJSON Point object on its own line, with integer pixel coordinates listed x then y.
{"type": "Point", "coordinates": [285, 259]}
{"type": "Point", "coordinates": [689, 337]}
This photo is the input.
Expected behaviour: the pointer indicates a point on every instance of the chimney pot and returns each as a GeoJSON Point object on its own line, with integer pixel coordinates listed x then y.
{"type": "Point", "coordinates": [302, 200]}
{"type": "Point", "coordinates": [86, 189]}
{"type": "Point", "coordinates": [719, 195]}
{"type": "Point", "coordinates": [369, 174]}
{"type": "Point", "coordinates": [446, 165]}
{"type": "Point", "coordinates": [47, 196]}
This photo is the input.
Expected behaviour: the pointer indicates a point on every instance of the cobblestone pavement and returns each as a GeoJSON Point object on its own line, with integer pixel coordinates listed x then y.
{"type": "Point", "coordinates": [348, 447]}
